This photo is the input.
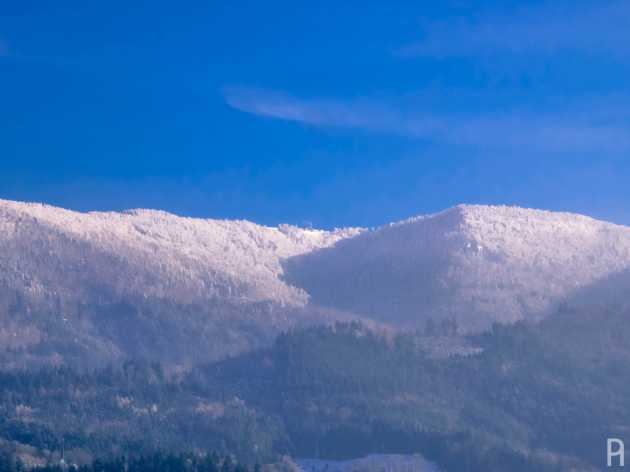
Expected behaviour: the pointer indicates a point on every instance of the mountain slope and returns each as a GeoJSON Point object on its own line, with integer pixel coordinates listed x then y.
{"type": "Point", "coordinates": [151, 252]}
{"type": "Point", "coordinates": [144, 282]}
{"type": "Point", "coordinates": [477, 264]}
{"type": "Point", "coordinates": [96, 287]}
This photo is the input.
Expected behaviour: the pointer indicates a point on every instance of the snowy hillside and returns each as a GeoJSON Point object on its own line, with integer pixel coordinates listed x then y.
{"type": "Point", "coordinates": [477, 264]}
{"type": "Point", "coordinates": [45, 250]}
{"type": "Point", "coordinates": [99, 286]}
{"type": "Point", "coordinates": [160, 273]}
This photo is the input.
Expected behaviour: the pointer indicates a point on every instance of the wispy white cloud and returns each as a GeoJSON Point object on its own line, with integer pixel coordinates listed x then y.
{"type": "Point", "coordinates": [597, 28]}
{"type": "Point", "coordinates": [601, 128]}
{"type": "Point", "coordinates": [358, 113]}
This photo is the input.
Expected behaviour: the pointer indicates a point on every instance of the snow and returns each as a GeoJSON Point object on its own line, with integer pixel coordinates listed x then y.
{"type": "Point", "coordinates": [152, 253]}
{"type": "Point", "coordinates": [477, 264]}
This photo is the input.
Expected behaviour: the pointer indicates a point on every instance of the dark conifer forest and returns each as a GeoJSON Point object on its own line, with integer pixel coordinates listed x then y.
{"type": "Point", "coordinates": [527, 397]}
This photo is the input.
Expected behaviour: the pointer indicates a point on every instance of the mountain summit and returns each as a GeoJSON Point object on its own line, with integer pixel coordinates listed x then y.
{"type": "Point", "coordinates": [478, 264]}
{"type": "Point", "coordinates": [148, 283]}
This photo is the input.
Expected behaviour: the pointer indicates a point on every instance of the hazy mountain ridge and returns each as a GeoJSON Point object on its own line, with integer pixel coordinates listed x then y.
{"type": "Point", "coordinates": [149, 283]}
{"type": "Point", "coordinates": [144, 282]}
{"type": "Point", "coordinates": [477, 264]}
{"type": "Point", "coordinates": [163, 255]}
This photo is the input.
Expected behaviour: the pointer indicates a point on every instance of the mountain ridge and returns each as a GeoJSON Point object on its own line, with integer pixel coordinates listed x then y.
{"type": "Point", "coordinates": [478, 264]}
{"type": "Point", "coordinates": [150, 283]}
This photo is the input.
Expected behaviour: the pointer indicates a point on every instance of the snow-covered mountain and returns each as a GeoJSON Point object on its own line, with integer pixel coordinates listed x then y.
{"type": "Point", "coordinates": [107, 285]}
{"type": "Point", "coordinates": [46, 251]}
{"type": "Point", "coordinates": [477, 264]}
{"type": "Point", "coordinates": [144, 282]}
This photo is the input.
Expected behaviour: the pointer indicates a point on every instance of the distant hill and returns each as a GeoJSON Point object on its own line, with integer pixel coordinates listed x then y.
{"type": "Point", "coordinates": [477, 264]}
{"type": "Point", "coordinates": [102, 286]}
{"type": "Point", "coordinates": [87, 288]}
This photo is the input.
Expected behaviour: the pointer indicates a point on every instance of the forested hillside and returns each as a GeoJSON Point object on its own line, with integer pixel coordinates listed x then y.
{"type": "Point", "coordinates": [536, 397]}
{"type": "Point", "coordinates": [90, 289]}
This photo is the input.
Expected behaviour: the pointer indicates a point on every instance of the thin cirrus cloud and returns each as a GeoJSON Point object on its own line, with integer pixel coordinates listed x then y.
{"type": "Point", "coordinates": [607, 130]}
{"type": "Point", "coordinates": [596, 28]}
{"type": "Point", "coordinates": [357, 114]}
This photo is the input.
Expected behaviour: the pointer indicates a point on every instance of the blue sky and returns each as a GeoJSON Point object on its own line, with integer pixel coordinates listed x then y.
{"type": "Point", "coordinates": [326, 113]}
